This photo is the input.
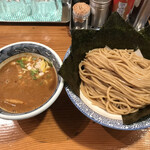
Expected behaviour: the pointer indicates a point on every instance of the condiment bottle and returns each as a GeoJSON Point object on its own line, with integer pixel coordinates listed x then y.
{"type": "Point", "coordinates": [99, 12]}
{"type": "Point", "coordinates": [81, 12]}
{"type": "Point", "coordinates": [123, 7]}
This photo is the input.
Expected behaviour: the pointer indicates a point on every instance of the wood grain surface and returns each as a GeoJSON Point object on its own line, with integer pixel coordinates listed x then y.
{"type": "Point", "coordinates": [62, 126]}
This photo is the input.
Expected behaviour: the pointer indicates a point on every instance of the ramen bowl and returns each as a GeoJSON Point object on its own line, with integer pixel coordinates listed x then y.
{"type": "Point", "coordinates": [100, 116]}
{"type": "Point", "coordinates": [8, 55]}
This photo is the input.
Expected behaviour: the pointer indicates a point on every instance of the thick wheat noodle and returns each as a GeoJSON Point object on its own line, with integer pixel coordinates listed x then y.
{"type": "Point", "coordinates": [118, 81]}
{"type": "Point", "coordinates": [107, 78]}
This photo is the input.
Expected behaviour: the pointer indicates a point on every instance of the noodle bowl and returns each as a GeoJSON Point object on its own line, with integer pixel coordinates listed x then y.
{"type": "Point", "coordinates": [115, 80]}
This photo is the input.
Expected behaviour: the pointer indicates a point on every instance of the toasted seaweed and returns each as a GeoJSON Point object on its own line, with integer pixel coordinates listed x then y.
{"type": "Point", "coordinates": [116, 33]}
{"type": "Point", "coordinates": [141, 114]}
{"type": "Point", "coordinates": [146, 32]}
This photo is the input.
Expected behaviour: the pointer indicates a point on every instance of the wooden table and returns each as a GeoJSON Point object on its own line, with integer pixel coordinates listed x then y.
{"type": "Point", "coordinates": [62, 126]}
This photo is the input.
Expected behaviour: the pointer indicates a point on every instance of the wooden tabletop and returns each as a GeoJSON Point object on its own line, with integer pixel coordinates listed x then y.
{"type": "Point", "coordinates": [62, 126]}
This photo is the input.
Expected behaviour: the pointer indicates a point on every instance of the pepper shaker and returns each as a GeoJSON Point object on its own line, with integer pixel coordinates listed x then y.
{"type": "Point", "coordinates": [99, 12]}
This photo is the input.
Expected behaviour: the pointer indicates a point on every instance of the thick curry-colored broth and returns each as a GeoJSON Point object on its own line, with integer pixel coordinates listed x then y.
{"type": "Point", "coordinates": [25, 92]}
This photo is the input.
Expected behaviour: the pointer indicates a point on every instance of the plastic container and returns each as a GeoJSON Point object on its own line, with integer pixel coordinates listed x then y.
{"type": "Point", "coordinates": [14, 10]}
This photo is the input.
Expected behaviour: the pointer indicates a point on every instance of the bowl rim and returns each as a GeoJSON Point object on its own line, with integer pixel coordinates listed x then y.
{"type": "Point", "coordinates": [49, 102]}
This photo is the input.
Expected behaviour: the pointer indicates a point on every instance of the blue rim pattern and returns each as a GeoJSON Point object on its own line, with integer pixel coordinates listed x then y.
{"type": "Point", "coordinates": [111, 123]}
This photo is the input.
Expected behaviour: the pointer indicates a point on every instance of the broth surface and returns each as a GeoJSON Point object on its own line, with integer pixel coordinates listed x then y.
{"type": "Point", "coordinates": [26, 83]}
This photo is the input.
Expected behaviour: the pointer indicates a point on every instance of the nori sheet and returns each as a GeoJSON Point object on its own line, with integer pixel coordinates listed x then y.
{"type": "Point", "coordinates": [140, 115]}
{"type": "Point", "coordinates": [116, 33]}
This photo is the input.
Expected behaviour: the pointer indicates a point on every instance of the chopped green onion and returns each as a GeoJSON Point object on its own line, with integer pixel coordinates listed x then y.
{"type": "Point", "coordinates": [41, 83]}
{"type": "Point", "coordinates": [34, 58]}
{"type": "Point", "coordinates": [33, 73]}
{"type": "Point", "coordinates": [34, 77]}
{"type": "Point", "coordinates": [49, 63]}
{"type": "Point", "coordinates": [20, 62]}
{"type": "Point", "coordinates": [48, 76]}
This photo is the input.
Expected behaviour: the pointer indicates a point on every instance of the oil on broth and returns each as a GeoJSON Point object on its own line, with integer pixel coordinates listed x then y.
{"type": "Point", "coordinates": [27, 82]}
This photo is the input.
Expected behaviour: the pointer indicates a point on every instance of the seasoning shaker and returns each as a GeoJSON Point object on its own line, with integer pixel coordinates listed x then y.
{"type": "Point", "coordinates": [81, 12]}
{"type": "Point", "coordinates": [99, 12]}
